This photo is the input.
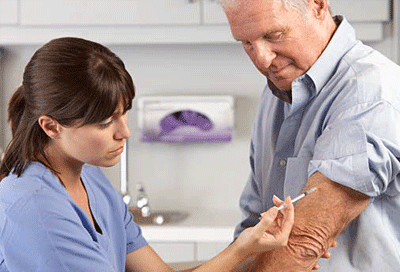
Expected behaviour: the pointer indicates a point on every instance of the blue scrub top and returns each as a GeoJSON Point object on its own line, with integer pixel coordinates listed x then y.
{"type": "Point", "coordinates": [43, 229]}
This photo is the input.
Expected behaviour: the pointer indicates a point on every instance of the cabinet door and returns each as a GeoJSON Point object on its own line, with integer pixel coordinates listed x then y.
{"type": "Point", "coordinates": [207, 250]}
{"type": "Point", "coordinates": [362, 10]}
{"type": "Point", "coordinates": [354, 10]}
{"type": "Point", "coordinates": [175, 252]}
{"type": "Point", "coordinates": [109, 12]}
{"type": "Point", "coordinates": [8, 11]}
{"type": "Point", "coordinates": [214, 13]}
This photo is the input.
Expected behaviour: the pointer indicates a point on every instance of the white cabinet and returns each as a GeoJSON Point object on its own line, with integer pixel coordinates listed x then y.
{"type": "Point", "coordinates": [158, 21]}
{"type": "Point", "coordinates": [109, 12]}
{"type": "Point", "coordinates": [207, 250]}
{"type": "Point", "coordinates": [213, 12]}
{"type": "Point", "coordinates": [120, 12]}
{"type": "Point", "coordinates": [367, 16]}
{"type": "Point", "coordinates": [354, 10]}
{"type": "Point", "coordinates": [8, 12]}
{"type": "Point", "coordinates": [362, 10]}
{"type": "Point", "coordinates": [176, 252]}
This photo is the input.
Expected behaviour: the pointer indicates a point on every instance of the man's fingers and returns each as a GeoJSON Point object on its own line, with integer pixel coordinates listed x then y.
{"type": "Point", "coordinates": [326, 255]}
{"type": "Point", "coordinates": [316, 267]}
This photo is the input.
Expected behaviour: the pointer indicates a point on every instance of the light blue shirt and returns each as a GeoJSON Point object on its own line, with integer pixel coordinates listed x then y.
{"type": "Point", "coordinates": [344, 121]}
{"type": "Point", "coordinates": [42, 229]}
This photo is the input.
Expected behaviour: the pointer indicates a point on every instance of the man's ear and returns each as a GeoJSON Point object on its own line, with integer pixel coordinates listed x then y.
{"type": "Point", "coordinates": [320, 8]}
{"type": "Point", "coordinates": [50, 126]}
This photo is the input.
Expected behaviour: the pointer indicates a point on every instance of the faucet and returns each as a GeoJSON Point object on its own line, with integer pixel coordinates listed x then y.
{"type": "Point", "coordinates": [124, 177]}
{"type": "Point", "coordinates": [142, 201]}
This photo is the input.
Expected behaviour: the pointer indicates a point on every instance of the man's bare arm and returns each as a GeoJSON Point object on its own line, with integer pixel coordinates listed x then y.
{"type": "Point", "coordinates": [319, 219]}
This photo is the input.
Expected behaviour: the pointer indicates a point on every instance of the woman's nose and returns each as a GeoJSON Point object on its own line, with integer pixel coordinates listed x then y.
{"type": "Point", "coordinates": [123, 131]}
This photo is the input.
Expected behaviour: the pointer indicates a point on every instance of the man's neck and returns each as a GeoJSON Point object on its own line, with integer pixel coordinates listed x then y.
{"type": "Point", "coordinates": [284, 95]}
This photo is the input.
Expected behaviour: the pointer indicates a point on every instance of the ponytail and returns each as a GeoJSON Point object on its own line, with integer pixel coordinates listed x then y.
{"type": "Point", "coordinates": [28, 139]}
{"type": "Point", "coordinates": [16, 108]}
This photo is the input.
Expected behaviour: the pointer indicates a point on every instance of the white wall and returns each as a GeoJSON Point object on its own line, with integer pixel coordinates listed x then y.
{"type": "Point", "coordinates": [203, 174]}
{"type": "Point", "coordinates": [179, 175]}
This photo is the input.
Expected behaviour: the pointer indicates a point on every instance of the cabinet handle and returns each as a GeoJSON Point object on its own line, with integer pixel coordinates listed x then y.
{"type": "Point", "coordinates": [218, 2]}
{"type": "Point", "coordinates": [192, 1]}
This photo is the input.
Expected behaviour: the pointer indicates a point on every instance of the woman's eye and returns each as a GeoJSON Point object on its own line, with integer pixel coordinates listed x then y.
{"type": "Point", "coordinates": [105, 125]}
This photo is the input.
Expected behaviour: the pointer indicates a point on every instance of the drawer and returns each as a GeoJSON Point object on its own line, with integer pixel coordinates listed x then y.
{"type": "Point", "coordinates": [175, 252]}
{"type": "Point", "coordinates": [207, 250]}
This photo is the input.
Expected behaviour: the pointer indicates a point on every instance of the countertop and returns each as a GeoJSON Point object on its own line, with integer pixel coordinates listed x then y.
{"type": "Point", "coordinates": [201, 225]}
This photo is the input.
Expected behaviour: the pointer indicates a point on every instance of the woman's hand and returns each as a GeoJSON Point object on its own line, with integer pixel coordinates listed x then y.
{"type": "Point", "coordinates": [271, 232]}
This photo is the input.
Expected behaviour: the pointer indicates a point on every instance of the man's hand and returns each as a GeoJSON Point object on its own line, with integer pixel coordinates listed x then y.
{"type": "Point", "coordinates": [326, 255]}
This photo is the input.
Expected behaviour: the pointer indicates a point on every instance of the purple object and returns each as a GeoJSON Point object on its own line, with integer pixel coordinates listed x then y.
{"type": "Point", "coordinates": [184, 118]}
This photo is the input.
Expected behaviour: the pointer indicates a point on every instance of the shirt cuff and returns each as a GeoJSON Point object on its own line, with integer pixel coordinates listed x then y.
{"type": "Point", "coordinates": [341, 155]}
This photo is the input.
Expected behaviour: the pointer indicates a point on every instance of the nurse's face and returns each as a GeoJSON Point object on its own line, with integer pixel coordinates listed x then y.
{"type": "Point", "coordinates": [96, 144]}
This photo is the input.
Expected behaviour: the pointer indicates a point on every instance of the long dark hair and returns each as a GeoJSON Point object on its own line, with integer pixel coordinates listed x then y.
{"type": "Point", "coordinates": [70, 80]}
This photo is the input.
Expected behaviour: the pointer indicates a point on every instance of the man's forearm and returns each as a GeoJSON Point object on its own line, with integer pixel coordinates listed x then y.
{"type": "Point", "coordinates": [319, 218]}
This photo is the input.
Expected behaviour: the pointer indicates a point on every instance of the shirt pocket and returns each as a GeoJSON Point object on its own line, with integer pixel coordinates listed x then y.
{"type": "Point", "coordinates": [296, 175]}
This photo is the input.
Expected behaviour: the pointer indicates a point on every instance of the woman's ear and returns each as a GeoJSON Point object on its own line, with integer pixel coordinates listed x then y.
{"type": "Point", "coordinates": [50, 126]}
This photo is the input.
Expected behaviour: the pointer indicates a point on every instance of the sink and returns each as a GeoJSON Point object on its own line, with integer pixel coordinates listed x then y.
{"type": "Point", "coordinates": [159, 217]}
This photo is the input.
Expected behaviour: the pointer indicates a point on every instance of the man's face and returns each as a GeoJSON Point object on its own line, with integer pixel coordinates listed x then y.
{"type": "Point", "coordinates": [282, 42]}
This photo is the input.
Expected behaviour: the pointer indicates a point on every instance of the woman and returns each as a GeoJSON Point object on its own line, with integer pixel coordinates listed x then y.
{"type": "Point", "coordinates": [58, 212]}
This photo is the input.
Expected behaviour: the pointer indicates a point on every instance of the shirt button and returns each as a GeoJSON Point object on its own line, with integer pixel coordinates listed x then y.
{"type": "Point", "coordinates": [282, 162]}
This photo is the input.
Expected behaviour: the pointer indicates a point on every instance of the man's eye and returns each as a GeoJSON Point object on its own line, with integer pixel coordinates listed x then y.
{"type": "Point", "coordinates": [247, 44]}
{"type": "Point", "coordinates": [275, 36]}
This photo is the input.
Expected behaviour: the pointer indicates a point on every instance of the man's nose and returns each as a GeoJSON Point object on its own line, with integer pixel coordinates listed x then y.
{"type": "Point", "coordinates": [263, 56]}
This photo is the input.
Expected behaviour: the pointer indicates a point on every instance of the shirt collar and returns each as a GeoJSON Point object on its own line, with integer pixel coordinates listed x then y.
{"type": "Point", "coordinates": [343, 39]}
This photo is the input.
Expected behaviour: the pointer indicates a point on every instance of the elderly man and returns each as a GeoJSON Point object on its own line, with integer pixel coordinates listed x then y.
{"type": "Point", "coordinates": [329, 118]}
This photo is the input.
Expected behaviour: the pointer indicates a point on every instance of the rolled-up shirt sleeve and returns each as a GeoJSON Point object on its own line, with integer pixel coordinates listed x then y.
{"type": "Point", "coordinates": [360, 149]}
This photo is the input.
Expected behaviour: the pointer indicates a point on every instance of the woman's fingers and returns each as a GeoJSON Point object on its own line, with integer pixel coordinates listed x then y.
{"type": "Point", "coordinates": [288, 213]}
{"type": "Point", "coordinates": [266, 220]}
{"type": "Point", "coordinates": [277, 201]}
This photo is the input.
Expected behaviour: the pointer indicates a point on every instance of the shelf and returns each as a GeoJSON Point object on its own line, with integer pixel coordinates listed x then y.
{"type": "Point", "coordinates": [131, 35]}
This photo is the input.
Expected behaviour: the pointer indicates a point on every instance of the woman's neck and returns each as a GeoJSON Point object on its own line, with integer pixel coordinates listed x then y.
{"type": "Point", "coordinates": [66, 169]}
